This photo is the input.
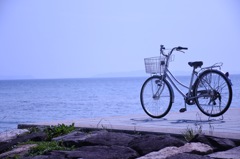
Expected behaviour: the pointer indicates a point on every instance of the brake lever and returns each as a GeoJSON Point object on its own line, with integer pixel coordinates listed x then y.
{"type": "Point", "coordinates": [182, 51]}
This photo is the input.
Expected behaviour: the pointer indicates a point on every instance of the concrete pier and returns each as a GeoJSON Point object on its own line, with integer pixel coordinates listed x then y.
{"type": "Point", "coordinates": [226, 126]}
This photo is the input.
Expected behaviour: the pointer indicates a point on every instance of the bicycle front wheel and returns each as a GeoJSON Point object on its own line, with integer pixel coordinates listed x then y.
{"type": "Point", "coordinates": [214, 93]}
{"type": "Point", "coordinates": [156, 97]}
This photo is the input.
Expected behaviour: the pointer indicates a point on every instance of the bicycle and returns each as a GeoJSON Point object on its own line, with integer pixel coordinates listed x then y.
{"type": "Point", "coordinates": [209, 88]}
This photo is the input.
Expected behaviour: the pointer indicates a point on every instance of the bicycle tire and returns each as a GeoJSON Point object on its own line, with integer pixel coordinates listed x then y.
{"type": "Point", "coordinates": [215, 93]}
{"type": "Point", "coordinates": [159, 105]}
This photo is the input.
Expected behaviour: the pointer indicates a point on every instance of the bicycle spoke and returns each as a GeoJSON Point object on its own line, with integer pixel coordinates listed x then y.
{"type": "Point", "coordinates": [156, 97]}
{"type": "Point", "coordinates": [214, 93]}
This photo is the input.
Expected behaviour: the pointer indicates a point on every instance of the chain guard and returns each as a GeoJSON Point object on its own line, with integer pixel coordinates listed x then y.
{"type": "Point", "coordinates": [190, 101]}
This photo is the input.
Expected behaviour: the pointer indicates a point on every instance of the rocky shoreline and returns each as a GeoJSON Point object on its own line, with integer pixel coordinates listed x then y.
{"type": "Point", "coordinates": [109, 144]}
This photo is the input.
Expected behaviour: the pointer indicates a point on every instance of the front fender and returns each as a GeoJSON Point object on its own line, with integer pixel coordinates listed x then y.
{"type": "Point", "coordinates": [171, 89]}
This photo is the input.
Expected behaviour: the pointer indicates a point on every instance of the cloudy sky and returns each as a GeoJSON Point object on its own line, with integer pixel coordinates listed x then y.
{"type": "Point", "coordinates": [87, 38]}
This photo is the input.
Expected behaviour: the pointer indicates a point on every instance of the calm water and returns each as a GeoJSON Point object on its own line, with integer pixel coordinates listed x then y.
{"type": "Point", "coordinates": [23, 101]}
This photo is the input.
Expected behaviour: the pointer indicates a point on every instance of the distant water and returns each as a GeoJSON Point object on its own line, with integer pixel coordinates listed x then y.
{"type": "Point", "coordinates": [23, 101]}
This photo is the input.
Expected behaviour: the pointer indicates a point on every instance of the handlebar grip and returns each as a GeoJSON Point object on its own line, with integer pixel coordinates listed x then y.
{"type": "Point", "coordinates": [184, 48]}
{"type": "Point", "coordinates": [162, 47]}
{"type": "Point", "coordinates": [181, 48]}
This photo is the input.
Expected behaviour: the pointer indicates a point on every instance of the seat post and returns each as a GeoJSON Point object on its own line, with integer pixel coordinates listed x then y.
{"type": "Point", "coordinates": [189, 92]}
{"type": "Point", "coordinates": [191, 81]}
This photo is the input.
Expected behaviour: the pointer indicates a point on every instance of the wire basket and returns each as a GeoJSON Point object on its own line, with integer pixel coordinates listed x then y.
{"type": "Point", "coordinates": [155, 65]}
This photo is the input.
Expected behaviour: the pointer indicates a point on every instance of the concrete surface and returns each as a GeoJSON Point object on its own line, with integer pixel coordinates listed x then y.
{"type": "Point", "coordinates": [226, 126]}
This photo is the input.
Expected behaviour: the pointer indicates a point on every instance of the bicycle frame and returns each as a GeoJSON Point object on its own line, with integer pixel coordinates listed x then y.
{"type": "Point", "coordinates": [172, 79]}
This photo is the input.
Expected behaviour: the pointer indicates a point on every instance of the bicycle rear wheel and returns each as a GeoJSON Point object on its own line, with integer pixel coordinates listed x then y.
{"type": "Point", "coordinates": [214, 93]}
{"type": "Point", "coordinates": [156, 97]}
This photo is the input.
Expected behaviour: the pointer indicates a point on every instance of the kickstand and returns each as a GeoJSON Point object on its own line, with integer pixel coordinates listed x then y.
{"type": "Point", "coordinates": [221, 118]}
{"type": "Point", "coordinates": [183, 109]}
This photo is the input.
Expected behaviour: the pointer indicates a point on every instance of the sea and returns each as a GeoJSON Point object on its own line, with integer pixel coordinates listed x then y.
{"type": "Point", "coordinates": [39, 100]}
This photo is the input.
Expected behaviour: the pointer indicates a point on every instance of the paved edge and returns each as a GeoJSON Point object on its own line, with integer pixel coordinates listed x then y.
{"type": "Point", "coordinates": [223, 128]}
{"type": "Point", "coordinates": [142, 130]}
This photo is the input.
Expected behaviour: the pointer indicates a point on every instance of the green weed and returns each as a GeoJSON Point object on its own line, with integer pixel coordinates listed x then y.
{"type": "Point", "coordinates": [46, 146]}
{"type": "Point", "coordinates": [189, 133]}
{"type": "Point", "coordinates": [60, 129]}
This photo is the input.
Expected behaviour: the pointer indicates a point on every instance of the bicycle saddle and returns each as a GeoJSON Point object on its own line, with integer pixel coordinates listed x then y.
{"type": "Point", "coordinates": [196, 64]}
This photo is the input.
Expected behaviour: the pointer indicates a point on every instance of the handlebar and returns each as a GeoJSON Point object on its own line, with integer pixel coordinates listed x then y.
{"type": "Point", "coordinates": [179, 48]}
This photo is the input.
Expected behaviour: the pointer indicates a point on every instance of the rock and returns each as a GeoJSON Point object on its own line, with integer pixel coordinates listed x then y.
{"type": "Point", "coordinates": [54, 155]}
{"type": "Point", "coordinates": [162, 154]}
{"type": "Point", "coordinates": [99, 152]}
{"type": "Point", "coordinates": [201, 138]}
{"type": "Point", "coordinates": [149, 143]}
{"type": "Point", "coordinates": [22, 138]}
{"type": "Point", "coordinates": [108, 145]}
{"type": "Point", "coordinates": [218, 144]}
{"type": "Point", "coordinates": [232, 153]}
{"type": "Point", "coordinates": [75, 138]}
{"type": "Point", "coordinates": [221, 144]}
{"type": "Point", "coordinates": [96, 138]}
{"type": "Point", "coordinates": [37, 136]}
{"type": "Point", "coordinates": [110, 138]}
{"type": "Point", "coordinates": [49, 155]}
{"type": "Point", "coordinates": [46, 157]}
{"type": "Point", "coordinates": [188, 156]}
{"type": "Point", "coordinates": [196, 148]}
{"type": "Point", "coordinates": [19, 151]}
{"type": "Point", "coordinates": [108, 152]}
{"type": "Point", "coordinates": [9, 135]}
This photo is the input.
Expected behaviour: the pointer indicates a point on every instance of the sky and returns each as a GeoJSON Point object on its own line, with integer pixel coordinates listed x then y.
{"type": "Point", "coordinates": [90, 38]}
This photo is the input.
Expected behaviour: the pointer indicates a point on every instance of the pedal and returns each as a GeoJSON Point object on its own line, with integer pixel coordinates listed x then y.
{"type": "Point", "coordinates": [182, 110]}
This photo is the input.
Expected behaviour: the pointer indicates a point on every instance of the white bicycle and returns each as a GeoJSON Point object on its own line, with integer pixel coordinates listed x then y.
{"type": "Point", "coordinates": [211, 90]}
